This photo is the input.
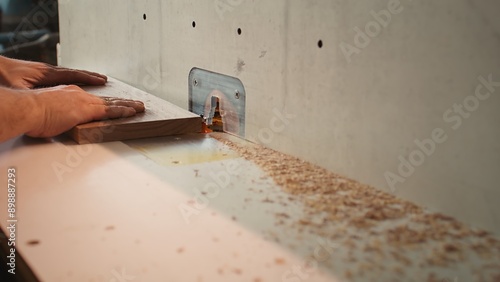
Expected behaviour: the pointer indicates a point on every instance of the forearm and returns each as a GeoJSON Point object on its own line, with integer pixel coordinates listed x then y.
{"type": "Point", "coordinates": [17, 113]}
{"type": "Point", "coordinates": [48, 112]}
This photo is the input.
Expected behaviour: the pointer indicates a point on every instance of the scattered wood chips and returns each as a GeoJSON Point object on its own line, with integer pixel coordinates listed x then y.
{"type": "Point", "coordinates": [393, 235]}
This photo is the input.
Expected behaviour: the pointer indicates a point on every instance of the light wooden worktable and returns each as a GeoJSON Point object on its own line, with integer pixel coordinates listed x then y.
{"type": "Point", "coordinates": [180, 208]}
{"type": "Point", "coordinates": [112, 211]}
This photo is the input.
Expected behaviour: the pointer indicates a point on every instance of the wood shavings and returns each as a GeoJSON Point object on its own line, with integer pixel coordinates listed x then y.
{"type": "Point", "coordinates": [394, 227]}
{"type": "Point", "coordinates": [282, 214]}
{"type": "Point", "coordinates": [279, 261]}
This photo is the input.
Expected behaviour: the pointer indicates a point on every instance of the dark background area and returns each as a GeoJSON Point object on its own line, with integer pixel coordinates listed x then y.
{"type": "Point", "coordinates": [29, 29]}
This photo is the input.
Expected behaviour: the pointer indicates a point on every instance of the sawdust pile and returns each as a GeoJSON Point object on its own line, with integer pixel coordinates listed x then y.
{"type": "Point", "coordinates": [335, 204]}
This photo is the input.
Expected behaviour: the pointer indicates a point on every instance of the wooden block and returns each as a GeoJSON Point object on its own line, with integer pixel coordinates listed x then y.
{"type": "Point", "coordinates": [161, 118]}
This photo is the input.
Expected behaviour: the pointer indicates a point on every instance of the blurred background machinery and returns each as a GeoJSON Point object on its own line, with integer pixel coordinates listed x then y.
{"type": "Point", "coordinates": [29, 29]}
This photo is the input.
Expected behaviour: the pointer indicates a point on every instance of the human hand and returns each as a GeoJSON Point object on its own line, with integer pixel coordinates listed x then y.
{"type": "Point", "coordinates": [58, 109]}
{"type": "Point", "coordinates": [27, 75]}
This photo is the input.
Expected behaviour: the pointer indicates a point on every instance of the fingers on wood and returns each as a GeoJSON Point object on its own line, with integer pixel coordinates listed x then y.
{"type": "Point", "coordinates": [70, 76]}
{"type": "Point", "coordinates": [113, 112]}
{"type": "Point", "coordinates": [138, 106]}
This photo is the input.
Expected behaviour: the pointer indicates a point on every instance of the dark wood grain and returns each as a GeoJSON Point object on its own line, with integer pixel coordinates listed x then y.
{"type": "Point", "coordinates": [161, 118]}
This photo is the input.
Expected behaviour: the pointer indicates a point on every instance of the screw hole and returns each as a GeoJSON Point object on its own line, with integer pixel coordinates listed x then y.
{"type": "Point", "coordinates": [320, 44]}
{"type": "Point", "coordinates": [239, 31]}
{"type": "Point", "coordinates": [144, 16]}
{"type": "Point", "coordinates": [194, 24]}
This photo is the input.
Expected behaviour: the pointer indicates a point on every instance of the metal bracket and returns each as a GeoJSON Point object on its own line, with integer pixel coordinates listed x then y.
{"type": "Point", "coordinates": [204, 89]}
